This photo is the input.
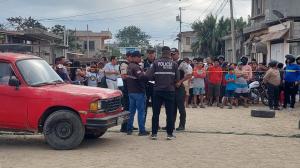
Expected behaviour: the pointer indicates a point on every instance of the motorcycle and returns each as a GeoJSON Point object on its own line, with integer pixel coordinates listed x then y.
{"type": "Point", "coordinates": [258, 92]}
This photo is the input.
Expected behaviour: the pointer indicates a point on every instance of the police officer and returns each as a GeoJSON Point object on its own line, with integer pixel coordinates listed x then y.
{"type": "Point", "coordinates": [185, 71]}
{"type": "Point", "coordinates": [149, 86]}
{"type": "Point", "coordinates": [125, 99]}
{"type": "Point", "coordinates": [165, 73]}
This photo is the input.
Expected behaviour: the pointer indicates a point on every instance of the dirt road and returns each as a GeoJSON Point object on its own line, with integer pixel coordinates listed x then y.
{"type": "Point", "coordinates": [214, 138]}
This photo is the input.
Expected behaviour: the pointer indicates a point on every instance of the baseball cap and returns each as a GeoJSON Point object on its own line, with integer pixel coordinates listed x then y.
{"type": "Point", "coordinates": [165, 48]}
{"type": "Point", "coordinates": [150, 50]}
{"type": "Point", "coordinates": [174, 50]}
{"type": "Point", "coordinates": [128, 54]}
{"type": "Point", "coordinates": [136, 54]}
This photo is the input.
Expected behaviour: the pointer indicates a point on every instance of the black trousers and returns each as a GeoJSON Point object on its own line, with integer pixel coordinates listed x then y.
{"type": "Point", "coordinates": [125, 104]}
{"type": "Point", "coordinates": [179, 104]}
{"type": "Point", "coordinates": [273, 96]}
{"type": "Point", "coordinates": [290, 91]}
{"type": "Point", "coordinates": [149, 96]}
{"type": "Point", "coordinates": [168, 98]}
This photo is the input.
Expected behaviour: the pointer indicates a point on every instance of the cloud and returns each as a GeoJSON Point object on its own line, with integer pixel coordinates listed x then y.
{"type": "Point", "coordinates": [155, 17]}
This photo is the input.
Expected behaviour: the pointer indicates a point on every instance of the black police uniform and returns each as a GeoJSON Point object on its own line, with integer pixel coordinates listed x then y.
{"type": "Point", "coordinates": [165, 73]}
{"type": "Point", "coordinates": [179, 101]}
{"type": "Point", "coordinates": [149, 88]}
{"type": "Point", "coordinates": [125, 99]}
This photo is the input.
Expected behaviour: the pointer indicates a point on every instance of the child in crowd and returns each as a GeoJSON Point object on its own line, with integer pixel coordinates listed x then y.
{"type": "Point", "coordinates": [93, 77]}
{"type": "Point", "coordinates": [230, 87]}
{"type": "Point", "coordinates": [199, 74]}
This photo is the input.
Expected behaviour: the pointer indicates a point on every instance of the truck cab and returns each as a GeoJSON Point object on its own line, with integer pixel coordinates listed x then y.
{"type": "Point", "coordinates": [35, 99]}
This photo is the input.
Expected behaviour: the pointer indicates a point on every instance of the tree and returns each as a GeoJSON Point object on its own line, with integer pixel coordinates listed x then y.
{"type": "Point", "coordinates": [21, 23]}
{"type": "Point", "coordinates": [58, 29]}
{"type": "Point", "coordinates": [2, 26]}
{"type": "Point", "coordinates": [210, 32]}
{"type": "Point", "coordinates": [72, 39]}
{"type": "Point", "coordinates": [206, 36]}
{"type": "Point", "coordinates": [132, 36]}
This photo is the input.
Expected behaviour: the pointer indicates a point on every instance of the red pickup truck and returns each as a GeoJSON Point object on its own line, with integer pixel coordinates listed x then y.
{"type": "Point", "coordinates": [33, 98]}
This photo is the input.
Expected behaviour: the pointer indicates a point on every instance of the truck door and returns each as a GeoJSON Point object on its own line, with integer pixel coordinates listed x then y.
{"type": "Point", "coordinates": [13, 103]}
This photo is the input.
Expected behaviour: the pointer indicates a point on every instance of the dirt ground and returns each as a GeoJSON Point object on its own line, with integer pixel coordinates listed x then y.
{"type": "Point", "coordinates": [214, 138]}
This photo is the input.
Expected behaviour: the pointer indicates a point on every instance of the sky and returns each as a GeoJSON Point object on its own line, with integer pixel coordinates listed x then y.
{"type": "Point", "coordinates": [155, 17]}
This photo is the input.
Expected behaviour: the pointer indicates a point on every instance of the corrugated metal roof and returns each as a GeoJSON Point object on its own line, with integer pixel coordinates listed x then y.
{"type": "Point", "coordinates": [274, 35]}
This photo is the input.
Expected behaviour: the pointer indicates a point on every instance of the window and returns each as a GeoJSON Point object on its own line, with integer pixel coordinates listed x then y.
{"type": "Point", "coordinates": [188, 41]}
{"type": "Point", "coordinates": [5, 73]}
{"type": "Point", "coordinates": [91, 45]}
{"type": "Point", "coordinates": [257, 7]}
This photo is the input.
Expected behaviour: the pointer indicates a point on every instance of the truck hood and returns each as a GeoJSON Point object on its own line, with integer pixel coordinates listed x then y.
{"type": "Point", "coordinates": [83, 91]}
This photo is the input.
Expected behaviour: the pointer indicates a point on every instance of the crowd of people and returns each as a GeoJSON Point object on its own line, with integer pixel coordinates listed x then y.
{"type": "Point", "coordinates": [183, 83]}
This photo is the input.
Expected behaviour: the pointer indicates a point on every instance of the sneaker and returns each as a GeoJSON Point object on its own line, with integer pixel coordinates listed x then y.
{"type": "Point", "coordinates": [122, 130]}
{"type": "Point", "coordinates": [145, 133]}
{"type": "Point", "coordinates": [202, 106]}
{"type": "Point", "coordinates": [135, 128]}
{"type": "Point", "coordinates": [129, 132]}
{"type": "Point", "coordinates": [154, 136]}
{"type": "Point", "coordinates": [194, 106]}
{"type": "Point", "coordinates": [164, 128]}
{"type": "Point", "coordinates": [170, 137]}
{"type": "Point", "coordinates": [180, 129]}
{"type": "Point", "coordinates": [277, 108]}
{"type": "Point", "coordinates": [221, 106]}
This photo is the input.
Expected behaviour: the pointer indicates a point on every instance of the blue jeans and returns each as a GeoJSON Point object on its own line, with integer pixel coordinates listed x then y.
{"type": "Point", "coordinates": [137, 103]}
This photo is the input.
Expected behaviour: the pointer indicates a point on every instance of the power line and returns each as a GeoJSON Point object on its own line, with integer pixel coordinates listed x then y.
{"type": "Point", "coordinates": [111, 18]}
{"type": "Point", "coordinates": [221, 8]}
{"type": "Point", "coordinates": [98, 12]}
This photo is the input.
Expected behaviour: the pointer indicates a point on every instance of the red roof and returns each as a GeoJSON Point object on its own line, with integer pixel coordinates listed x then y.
{"type": "Point", "coordinates": [13, 57]}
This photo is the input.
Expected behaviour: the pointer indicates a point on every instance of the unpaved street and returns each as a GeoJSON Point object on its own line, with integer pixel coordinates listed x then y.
{"type": "Point", "coordinates": [214, 138]}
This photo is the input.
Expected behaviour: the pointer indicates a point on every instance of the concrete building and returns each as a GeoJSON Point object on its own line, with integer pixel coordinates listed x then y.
{"type": "Point", "coordinates": [94, 41]}
{"type": "Point", "coordinates": [32, 41]}
{"type": "Point", "coordinates": [228, 47]}
{"type": "Point", "coordinates": [274, 30]}
{"type": "Point", "coordinates": [187, 39]}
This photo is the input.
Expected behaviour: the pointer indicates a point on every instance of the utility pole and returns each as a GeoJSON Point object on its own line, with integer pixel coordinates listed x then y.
{"type": "Point", "coordinates": [65, 42]}
{"type": "Point", "coordinates": [180, 36]}
{"type": "Point", "coordinates": [233, 59]}
{"type": "Point", "coordinates": [88, 41]}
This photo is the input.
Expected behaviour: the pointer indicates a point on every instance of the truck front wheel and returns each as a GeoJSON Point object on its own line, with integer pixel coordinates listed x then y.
{"type": "Point", "coordinates": [63, 130]}
{"type": "Point", "coordinates": [94, 134]}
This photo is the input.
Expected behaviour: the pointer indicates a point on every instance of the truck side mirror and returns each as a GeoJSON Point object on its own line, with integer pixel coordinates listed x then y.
{"type": "Point", "coordinates": [13, 81]}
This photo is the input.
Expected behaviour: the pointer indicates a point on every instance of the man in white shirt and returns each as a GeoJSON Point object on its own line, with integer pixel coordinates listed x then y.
{"type": "Point", "coordinates": [111, 70]}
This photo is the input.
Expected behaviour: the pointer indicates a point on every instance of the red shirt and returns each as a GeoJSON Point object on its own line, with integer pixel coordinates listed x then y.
{"type": "Point", "coordinates": [215, 75]}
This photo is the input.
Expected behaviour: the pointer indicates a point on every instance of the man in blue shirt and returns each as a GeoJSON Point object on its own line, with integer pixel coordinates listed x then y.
{"type": "Point", "coordinates": [291, 79]}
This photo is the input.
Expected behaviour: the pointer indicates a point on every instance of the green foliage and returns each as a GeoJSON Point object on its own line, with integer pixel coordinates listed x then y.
{"type": "Point", "coordinates": [2, 26]}
{"type": "Point", "coordinates": [132, 36]}
{"type": "Point", "coordinates": [21, 23]}
{"type": "Point", "coordinates": [57, 29]}
{"type": "Point", "coordinates": [210, 32]}
{"type": "Point", "coordinates": [72, 39]}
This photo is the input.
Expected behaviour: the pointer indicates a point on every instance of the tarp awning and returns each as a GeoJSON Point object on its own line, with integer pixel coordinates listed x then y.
{"type": "Point", "coordinates": [274, 35]}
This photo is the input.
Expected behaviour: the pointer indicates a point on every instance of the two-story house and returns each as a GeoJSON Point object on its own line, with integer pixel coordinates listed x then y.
{"type": "Point", "coordinates": [274, 30]}
{"type": "Point", "coordinates": [187, 39]}
{"type": "Point", "coordinates": [92, 43]}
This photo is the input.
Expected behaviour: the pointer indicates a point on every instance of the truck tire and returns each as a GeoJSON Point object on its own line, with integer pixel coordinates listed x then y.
{"type": "Point", "coordinates": [63, 130]}
{"type": "Point", "coordinates": [94, 134]}
{"type": "Point", "coordinates": [263, 113]}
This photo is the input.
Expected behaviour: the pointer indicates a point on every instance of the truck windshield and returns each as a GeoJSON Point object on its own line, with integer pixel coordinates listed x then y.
{"type": "Point", "coordinates": [38, 72]}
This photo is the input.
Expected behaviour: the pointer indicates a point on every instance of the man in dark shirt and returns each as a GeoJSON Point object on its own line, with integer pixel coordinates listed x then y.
{"type": "Point", "coordinates": [149, 86]}
{"type": "Point", "coordinates": [165, 73]}
{"type": "Point", "coordinates": [136, 91]}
